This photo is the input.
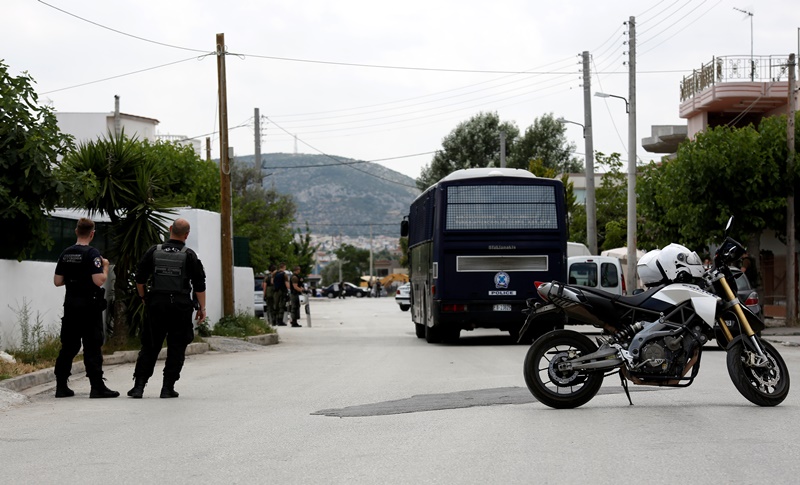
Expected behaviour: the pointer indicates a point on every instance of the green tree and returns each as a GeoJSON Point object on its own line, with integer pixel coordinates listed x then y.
{"type": "Point", "coordinates": [128, 191]}
{"type": "Point", "coordinates": [611, 203]}
{"type": "Point", "coordinates": [355, 263]}
{"type": "Point", "coordinates": [194, 182]}
{"type": "Point", "coordinates": [403, 243]}
{"type": "Point", "coordinates": [722, 172]}
{"type": "Point", "coordinates": [472, 144]}
{"type": "Point", "coordinates": [545, 140]}
{"type": "Point", "coordinates": [30, 145]}
{"type": "Point", "coordinates": [263, 216]}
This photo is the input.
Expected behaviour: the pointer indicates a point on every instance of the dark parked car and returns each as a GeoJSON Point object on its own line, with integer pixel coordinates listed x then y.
{"type": "Point", "coordinates": [746, 293]}
{"type": "Point", "coordinates": [349, 290]}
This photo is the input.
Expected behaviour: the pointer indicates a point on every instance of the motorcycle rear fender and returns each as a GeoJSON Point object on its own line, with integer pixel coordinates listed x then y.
{"type": "Point", "coordinates": [540, 321]}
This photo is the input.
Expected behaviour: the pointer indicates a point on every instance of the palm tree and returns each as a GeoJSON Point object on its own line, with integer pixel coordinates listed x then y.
{"type": "Point", "coordinates": [127, 190]}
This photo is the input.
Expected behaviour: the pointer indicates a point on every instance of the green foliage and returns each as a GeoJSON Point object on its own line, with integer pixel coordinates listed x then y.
{"type": "Point", "coordinates": [37, 345]}
{"type": "Point", "coordinates": [265, 217]}
{"type": "Point", "coordinates": [403, 243]}
{"type": "Point", "coordinates": [722, 172]}
{"type": "Point", "coordinates": [241, 325]}
{"type": "Point", "coordinates": [302, 252]}
{"type": "Point", "coordinates": [30, 144]}
{"type": "Point", "coordinates": [193, 181]}
{"type": "Point", "coordinates": [547, 142]}
{"type": "Point", "coordinates": [473, 143]}
{"type": "Point", "coordinates": [355, 263]}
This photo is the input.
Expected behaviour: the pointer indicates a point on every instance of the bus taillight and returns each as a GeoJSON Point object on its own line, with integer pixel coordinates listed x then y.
{"type": "Point", "coordinates": [433, 290]}
{"type": "Point", "coordinates": [453, 307]}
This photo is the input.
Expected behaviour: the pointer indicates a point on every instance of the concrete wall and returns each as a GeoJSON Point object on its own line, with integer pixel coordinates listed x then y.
{"type": "Point", "coordinates": [32, 281]}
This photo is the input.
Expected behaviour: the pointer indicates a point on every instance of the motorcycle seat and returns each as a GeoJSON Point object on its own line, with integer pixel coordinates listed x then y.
{"type": "Point", "coordinates": [611, 306]}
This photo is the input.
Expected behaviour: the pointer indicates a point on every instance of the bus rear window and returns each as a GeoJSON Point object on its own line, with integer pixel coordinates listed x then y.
{"type": "Point", "coordinates": [501, 207]}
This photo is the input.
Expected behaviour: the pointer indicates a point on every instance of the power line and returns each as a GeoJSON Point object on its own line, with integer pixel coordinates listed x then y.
{"type": "Point", "coordinates": [334, 159]}
{"type": "Point", "coordinates": [204, 51]}
{"type": "Point", "coordinates": [121, 75]}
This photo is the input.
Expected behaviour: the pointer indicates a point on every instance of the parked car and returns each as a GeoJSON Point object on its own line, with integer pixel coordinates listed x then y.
{"type": "Point", "coordinates": [403, 296]}
{"type": "Point", "coordinates": [599, 272]}
{"type": "Point", "coordinates": [349, 290]}
{"type": "Point", "coordinates": [258, 296]}
{"type": "Point", "coordinates": [746, 293]}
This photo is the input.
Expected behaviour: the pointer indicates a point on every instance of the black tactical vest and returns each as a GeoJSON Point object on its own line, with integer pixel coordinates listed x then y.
{"type": "Point", "coordinates": [169, 271]}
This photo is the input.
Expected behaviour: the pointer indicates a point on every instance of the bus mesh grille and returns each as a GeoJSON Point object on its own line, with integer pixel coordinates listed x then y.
{"type": "Point", "coordinates": [501, 263]}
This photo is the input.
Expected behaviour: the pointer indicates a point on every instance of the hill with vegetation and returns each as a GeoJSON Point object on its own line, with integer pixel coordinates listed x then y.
{"type": "Point", "coordinates": [339, 195]}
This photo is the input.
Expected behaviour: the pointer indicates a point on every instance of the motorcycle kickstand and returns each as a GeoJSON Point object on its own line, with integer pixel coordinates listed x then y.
{"type": "Point", "coordinates": [624, 383]}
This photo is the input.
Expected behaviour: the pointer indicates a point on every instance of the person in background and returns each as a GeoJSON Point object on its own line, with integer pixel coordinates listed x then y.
{"type": "Point", "coordinates": [268, 285]}
{"type": "Point", "coordinates": [83, 271]}
{"type": "Point", "coordinates": [296, 289]}
{"type": "Point", "coordinates": [281, 285]}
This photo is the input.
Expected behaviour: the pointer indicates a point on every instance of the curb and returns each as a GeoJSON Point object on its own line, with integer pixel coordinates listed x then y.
{"type": "Point", "coordinates": [44, 376]}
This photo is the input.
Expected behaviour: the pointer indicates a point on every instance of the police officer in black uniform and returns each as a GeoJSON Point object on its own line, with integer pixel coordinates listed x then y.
{"type": "Point", "coordinates": [175, 271]}
{"type": "Point", "coordinates": [84, 272]}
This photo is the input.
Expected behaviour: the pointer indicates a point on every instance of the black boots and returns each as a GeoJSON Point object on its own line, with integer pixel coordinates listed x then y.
{"type": "Point", "coordinates": [62, 390]}
{"type": "Point", "coordinates": [168, 389]}
{"type": "Point", "coordinates": [99, 389]}
{"type": "Point", "coordinates": [138, 388]}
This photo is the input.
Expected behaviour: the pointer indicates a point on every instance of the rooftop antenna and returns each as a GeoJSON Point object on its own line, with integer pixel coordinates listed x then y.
{"type": "Point", "coordinates": [752, 66]}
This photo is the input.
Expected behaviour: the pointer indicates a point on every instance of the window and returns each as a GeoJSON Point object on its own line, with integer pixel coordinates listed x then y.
{"type": "Point", "coordinates": [608, 276]}
{"type": "Point", "coordinates": [501, 207]}
{"type": "Point", "coordinates": [583, 274]}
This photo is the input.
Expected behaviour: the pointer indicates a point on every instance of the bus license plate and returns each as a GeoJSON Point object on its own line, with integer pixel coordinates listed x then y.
{"type": "Point", "coordinates": [502, 307]}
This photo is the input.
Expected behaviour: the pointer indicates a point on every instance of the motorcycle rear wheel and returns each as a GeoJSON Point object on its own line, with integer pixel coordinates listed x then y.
{"type": "Point", "coordinates": [554, 388]}
{"type": "Point", "coordinates": [764, 386]}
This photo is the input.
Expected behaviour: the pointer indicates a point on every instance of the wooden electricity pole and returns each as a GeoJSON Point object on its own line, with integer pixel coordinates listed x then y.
{"type": "Point", "coordinates": [226, 225]}
{"type": "Point", "coordinates": [791, 282]}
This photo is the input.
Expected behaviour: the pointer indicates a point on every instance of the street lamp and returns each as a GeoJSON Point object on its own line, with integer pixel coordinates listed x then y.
{"type": "Point", "coordinates": [606, 95]}
{"type": "Point", "coordinates": [591, 211]}
{"type": "Point", "coordinates": [631, 257]}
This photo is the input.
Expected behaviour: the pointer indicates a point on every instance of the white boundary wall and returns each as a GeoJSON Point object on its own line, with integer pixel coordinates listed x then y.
{"type": "Point", "coordinates": [32, 282]}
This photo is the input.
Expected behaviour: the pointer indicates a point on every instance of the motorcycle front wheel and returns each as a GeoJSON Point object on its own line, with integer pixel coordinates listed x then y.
{"type": "Point", "coordinates": [765, 385]}
{"type": "Point", "coordinates": [555, 388]}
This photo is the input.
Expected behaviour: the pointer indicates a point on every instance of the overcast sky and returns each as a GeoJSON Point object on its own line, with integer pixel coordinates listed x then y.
{"type": "Point", "coordinates": [311, 66]}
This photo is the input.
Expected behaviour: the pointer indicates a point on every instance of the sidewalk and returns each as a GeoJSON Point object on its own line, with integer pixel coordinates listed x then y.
{"type": "Point", "coordinates": [14, 390]}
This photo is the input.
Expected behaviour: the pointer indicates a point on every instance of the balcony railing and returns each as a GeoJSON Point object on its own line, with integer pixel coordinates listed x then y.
{"type": "Point", "coordinates": [735, 69]}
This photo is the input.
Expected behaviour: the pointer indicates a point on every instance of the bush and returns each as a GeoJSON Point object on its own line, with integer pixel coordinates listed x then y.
{"type": "Point", "coordinates": [241, 325]}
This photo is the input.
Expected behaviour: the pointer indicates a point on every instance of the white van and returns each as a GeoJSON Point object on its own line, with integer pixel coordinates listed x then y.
{"type": "Point", "coordinates": [599, 272]}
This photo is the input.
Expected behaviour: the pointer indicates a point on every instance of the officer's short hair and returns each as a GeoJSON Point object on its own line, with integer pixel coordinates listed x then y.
{"type": "Point", "coordinates": [84, 227]}
{"type": "Point", "coordinates": [272, 268]}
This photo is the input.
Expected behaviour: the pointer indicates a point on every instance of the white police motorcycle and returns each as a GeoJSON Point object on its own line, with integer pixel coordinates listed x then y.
{"type": "Point", "coordinates": [654, 338]}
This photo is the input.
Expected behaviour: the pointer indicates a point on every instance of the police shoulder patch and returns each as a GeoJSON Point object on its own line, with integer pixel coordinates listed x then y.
{"type": "Point", "coordinates": [98, 262]}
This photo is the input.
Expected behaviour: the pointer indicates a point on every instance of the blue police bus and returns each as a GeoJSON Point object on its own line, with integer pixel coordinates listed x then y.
{"type": "Point", "coordinates": [477, 241]}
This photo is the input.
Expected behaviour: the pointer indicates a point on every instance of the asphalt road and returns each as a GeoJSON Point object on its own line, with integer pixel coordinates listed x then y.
{"type": "Point", "coordinates": [358, 398]}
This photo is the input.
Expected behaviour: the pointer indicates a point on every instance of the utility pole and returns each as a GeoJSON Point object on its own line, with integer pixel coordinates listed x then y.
{"type": "Point", "coordinates": [117, 118]}
{"type": "Point", "coordinates": [632, 154]}
{"type": "Point", "coordinates": [370, 252]}
{"type": "Point", "coordinates": [502, 149]}
{"type": "Point", "coordinates": [791, 287]}
{"type": "Point", "coordinates": [208, 148]}
{"type": "Point", "coordinates": [257, 156]}
{"type": "Point", "coordinates": [591, 210]}
{"type": "Point", "coordinates": [226, 225]}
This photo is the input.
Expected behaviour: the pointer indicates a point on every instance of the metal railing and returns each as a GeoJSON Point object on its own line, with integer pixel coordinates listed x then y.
{"type": "Point", "coordinates": [735, 69]}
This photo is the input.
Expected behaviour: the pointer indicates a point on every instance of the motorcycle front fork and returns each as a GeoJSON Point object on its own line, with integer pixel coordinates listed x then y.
{"type": "Point", "coordinates": [757, 359]}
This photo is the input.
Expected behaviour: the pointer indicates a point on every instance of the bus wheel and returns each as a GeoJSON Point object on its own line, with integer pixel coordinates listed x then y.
{"type": "Point", "coordinates": [420, 329]}
{"type": "Point", "coordinates": [433, 334]}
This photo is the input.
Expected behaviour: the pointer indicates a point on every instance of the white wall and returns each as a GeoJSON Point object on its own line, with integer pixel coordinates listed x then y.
{"type": "Point", "coordinates": [32, 281]}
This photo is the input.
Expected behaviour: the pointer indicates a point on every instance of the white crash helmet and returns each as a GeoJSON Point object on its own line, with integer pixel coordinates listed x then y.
{"type": "Point", "coordinates": [673, 264]}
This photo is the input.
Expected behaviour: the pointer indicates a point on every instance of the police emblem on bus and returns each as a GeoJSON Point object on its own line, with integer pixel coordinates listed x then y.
{"type": "Point", "coordinates": [501, 280]}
